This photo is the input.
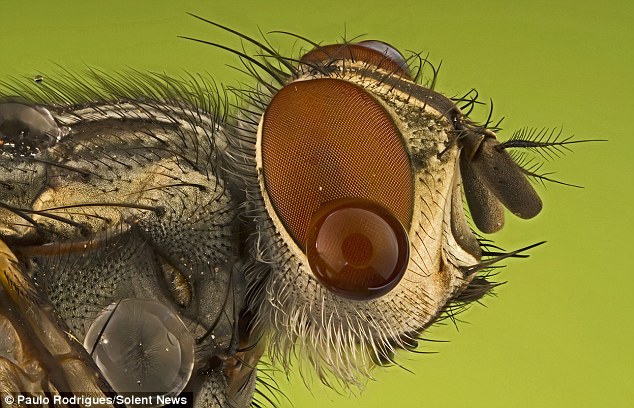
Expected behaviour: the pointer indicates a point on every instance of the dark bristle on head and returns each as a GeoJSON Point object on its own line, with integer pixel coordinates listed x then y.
{"type": "Point", "coordinates": [315, 212]}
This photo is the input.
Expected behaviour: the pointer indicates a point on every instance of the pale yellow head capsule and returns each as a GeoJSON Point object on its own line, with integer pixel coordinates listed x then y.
{"type": "Point", "coordinates": [360, 219]}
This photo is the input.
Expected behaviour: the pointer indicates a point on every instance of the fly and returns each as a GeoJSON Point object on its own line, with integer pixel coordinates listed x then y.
{"type": "Point", "coordinates": [173, 236]}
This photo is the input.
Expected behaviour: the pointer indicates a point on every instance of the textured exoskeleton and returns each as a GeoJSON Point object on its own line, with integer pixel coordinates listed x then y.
{"type": "Point", "coordinates": [152, 242]}
{"type": "Point", "coordinates": [118, 199]}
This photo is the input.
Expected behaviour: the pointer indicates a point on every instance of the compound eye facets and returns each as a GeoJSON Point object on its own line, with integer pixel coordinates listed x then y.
{"type": "Point", "coordinates": [141, 346]}
{"type": "Point", "coordinates": [374, 53]}
{"type": "Point", "coordinates": [357, 248]}
{"type": "Point", "coordinates": [334, 162]}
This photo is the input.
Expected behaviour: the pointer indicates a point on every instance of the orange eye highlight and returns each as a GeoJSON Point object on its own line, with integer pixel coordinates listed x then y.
{"type": "Point", "coordinates": [357, 248]}
{"type": "Point", "coordinates": [327, 139]}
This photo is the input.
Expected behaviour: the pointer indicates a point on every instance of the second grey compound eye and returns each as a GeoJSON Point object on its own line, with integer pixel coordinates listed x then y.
{"type": "Point", "coordinates": [142, 346]}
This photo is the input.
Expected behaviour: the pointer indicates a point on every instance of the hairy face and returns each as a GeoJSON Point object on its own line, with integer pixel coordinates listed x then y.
{"type": "Point", "coordinates": [154, 242]}
{"type": "Point", "coordinates": [355, 174]}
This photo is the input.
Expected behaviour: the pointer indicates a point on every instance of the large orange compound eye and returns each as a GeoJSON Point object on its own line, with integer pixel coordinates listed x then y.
{"type": "Point", "coordinates": [357, 248]}
{"type": "Point", "coordinates": [375, 53]}
{"type": "Point", "coordinates": [327, 140]}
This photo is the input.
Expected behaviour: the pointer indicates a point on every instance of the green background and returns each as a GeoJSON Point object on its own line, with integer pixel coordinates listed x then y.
{"type": "Point", "coordinates": [560, 333]}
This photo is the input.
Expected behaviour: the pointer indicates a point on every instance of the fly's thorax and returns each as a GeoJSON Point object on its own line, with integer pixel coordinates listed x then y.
{"type": "Point", "coordinates": [130, 204]}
